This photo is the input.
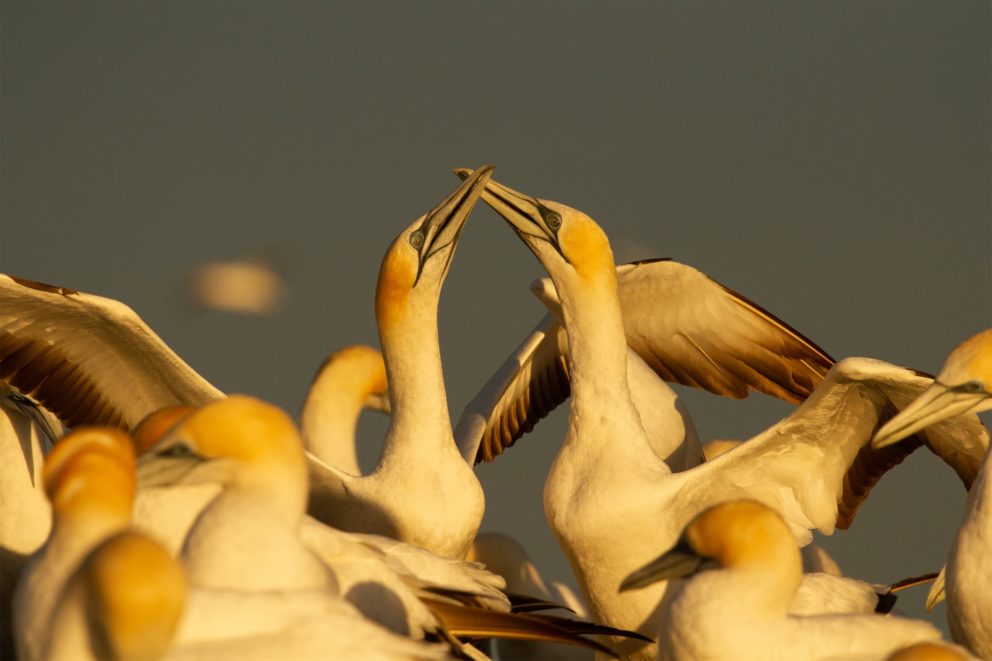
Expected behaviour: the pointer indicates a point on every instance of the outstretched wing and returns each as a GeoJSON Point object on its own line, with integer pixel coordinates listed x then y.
{"type": "Point", "coordinates": [89, 359]}
{"type": "Point", "coordinates": [692, 330]}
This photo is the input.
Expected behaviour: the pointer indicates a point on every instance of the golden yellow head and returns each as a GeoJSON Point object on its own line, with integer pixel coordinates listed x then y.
{"type": "Point", "coordinates": [929, 651]}
{"type": "Point", "coordinates": [970, 363]}
{"type": "Point", "coordinates": [239, 427]}
{"type": "Point", "coordinates": [155, 425]}
{"type": "Point", "coordinates": [357, 364]}
{"type": "Point", "coordinates": [137, 590]}
{"type": "Point", "coordinates": [91, 469]}
{"type": "Point", "coordinates": [740, 533]}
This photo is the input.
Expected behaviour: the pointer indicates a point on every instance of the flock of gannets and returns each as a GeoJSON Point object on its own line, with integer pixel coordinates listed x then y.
{"type": "Point", "coordinates": [236, 533]}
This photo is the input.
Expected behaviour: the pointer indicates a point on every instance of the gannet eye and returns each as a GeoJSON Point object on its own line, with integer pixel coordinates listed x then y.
{"type": "Point", "coordinates": [971, 386]}
{"type": "Point", "coordinates": [417, 239]}
{"type": "Point", "coordinates": [177, 451]}
{"type": "Point", "coordinates": [553, 220]}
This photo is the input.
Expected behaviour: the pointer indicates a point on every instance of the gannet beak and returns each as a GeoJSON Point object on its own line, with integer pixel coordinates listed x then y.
{"type": "Point", "coordinates": [444, 223]}
{"type": "Point", "coordinates": [525, 214]}
{"type": "Point", "coordinates": [936, 403]}
{"type": "Point", "coordinates": [679, 562]}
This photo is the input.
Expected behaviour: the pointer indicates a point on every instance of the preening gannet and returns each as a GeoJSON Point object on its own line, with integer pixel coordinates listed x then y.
{"type": "Point", "coordinates": [739, 608]}
{"type": "Point", "coordinates": [606, 483]}
{"type": "Point", "coordinates": [351, 379]}
{"type": "Point", "coordinates": [964, 385]}
{"type": "Point", "coordinates": [89, 479]}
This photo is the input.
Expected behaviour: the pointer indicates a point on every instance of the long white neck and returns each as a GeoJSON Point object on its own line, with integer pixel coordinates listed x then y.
{"type": "Point", "coordinates": [420, 425]}
{"type": "Point", "coordinates": [329, 420]}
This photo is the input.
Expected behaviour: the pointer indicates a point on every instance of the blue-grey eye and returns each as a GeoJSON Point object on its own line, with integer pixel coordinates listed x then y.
{"type": "Point", "coordinates": [417, 239]}
{"type": "Point", "coordinates": [553, 220]}
{"type": "Point", "coordinates": [971, 386]}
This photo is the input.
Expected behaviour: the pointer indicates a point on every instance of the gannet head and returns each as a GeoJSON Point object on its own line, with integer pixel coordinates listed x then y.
{"type": "Point", "coordinates": [964, 385]}
{"type": "Point", "coordinates": [238, 441]}
{"type": "Point", "coordinates": [136, 592]}
{"type": "Point", "coordinates": [567, 242]}
{"type": "Point", "coordinates": [362, 369]}
{"type": "Point", "coordinates": [91, 472]}
{"type": "Point", "coordinates": [736, 534]}
{"type": "Point", "coordinates": [417, 262]}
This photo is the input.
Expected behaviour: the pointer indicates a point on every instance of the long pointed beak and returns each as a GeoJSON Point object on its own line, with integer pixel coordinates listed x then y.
{"type": "Point", "coordinates": [525, 214]}
{"type": "Point", "coordinates": [936, 403]}
{"type": "Point", "coordinates": [444, 223]}
{"type": "Point", "coordinates": [679, 562]}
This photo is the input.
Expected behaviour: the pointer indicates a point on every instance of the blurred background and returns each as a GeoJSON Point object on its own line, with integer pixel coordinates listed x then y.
{"type": "Point", "coordinates": [831, 161]}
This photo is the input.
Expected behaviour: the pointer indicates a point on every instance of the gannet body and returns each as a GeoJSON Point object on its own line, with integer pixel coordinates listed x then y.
{"type": "Point", "coordinates": [25, 515]}
{"type": "Point", "coordinates": [964, 386]}
{"type": "Point", "coordinates": [352, 378]}
{"type": "Point", "coordinates": [740, 608]}
{"type": "Point", "coordinates": [606, 482]}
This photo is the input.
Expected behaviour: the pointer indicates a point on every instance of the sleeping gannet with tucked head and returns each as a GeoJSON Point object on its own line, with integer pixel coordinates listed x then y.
{"type": "Point", "coordinates": [606, 481]}
{"type": "Point", "coordinates": [964, 385]}
{"type": "Point", "coordinates": [351, 379]}
{"type": "Point", "coordinates": [739, 608]}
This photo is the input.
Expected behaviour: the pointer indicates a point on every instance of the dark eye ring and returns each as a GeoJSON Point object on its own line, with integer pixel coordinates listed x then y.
{"type": "Point", "coordinates": [554, 220]}
{"type": "Point", "coordinates": [971, 386]}
{"type": "Point", "coordinates": [417, 239]}
{"type": "Point", "coordinates": [177, 451]}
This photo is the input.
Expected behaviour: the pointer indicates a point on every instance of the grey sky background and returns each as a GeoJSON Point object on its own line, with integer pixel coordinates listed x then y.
{"type": "Point", "coordinates": [831, 161]}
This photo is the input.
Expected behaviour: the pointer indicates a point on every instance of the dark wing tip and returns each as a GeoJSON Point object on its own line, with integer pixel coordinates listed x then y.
{"type": "Point", "coordinates": [41, 286]}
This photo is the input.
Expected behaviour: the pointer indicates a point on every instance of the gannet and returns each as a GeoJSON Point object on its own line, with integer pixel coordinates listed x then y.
{"type": "Point", "coordinates": [124, 602]}
{"type": "Point", "coordinates": [120, 371]}
{"type": "Point", "coordinates": [606, 481]}
{"type": "Point", "coordinates": [738, 609]}
{"type": "Point", "coordinates": [254, 537]}
{"type": "Point", "coordinates": [964, 385]}
{"type": "Point", "coordinates": [351, 379]}
{"type": "Point", "coordinates": [89, 479]}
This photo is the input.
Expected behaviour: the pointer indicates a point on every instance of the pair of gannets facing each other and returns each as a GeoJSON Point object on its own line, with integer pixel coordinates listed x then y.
{"type": "Point", "coordinates": [255, 535]}
{"type": "Point", "coordinates": [963, 386]}
{"type": "Point", "coordinates": [421, 491]}
{"type": "Point", "coordinates": [100, 590]}
{"type": "Point", "coordinates": [606, 482]}
{"type": "Point", "coordinates": [738, 609]}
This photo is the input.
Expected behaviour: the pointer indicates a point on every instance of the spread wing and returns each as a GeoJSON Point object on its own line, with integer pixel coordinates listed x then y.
{"type": "Point", "coordinates": [528, 386]}
{"type": "Point", "coordinates": [831, 431]}
{"type": "Point", "coordinates": [89, 359]}
{"type": "Point", "coordinates": [688, 328]}
{"type": "Point", "coordinates": [694, 331]}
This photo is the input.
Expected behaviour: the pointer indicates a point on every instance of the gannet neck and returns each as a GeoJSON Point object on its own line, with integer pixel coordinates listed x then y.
{"type": "Point", "coordinates": [420, 425]}
{"type": "Point", "coordinates": [336, 399]}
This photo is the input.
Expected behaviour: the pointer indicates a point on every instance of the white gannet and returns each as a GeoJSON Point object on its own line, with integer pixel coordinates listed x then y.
{"type": "Point", "coordinates": [124, 602]}
{"type": "Point", "coordinates": [964, 385]}
{"type": "Point", "coordinates": [706, 335]}
{"type": "Point", "coordinates": [606, 481]}
{"type": "Point", "coordinates": [739, 608]}
{"type": "Point", "coordinates": [254, 537]}
{"type": "Point", "coordinates": [351, 379]}
{"type": "Point", "coordinates": [421, 491]}
{"type": "Point", "coordinates": [89, 479]}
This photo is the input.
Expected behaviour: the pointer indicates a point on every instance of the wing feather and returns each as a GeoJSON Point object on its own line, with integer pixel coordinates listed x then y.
{"type": "Point", "coordinates": [89, 359]}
